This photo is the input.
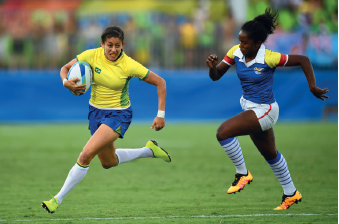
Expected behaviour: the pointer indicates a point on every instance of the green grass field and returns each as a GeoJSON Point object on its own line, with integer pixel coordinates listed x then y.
{"type": "Point", "coordinates": [35, 160]}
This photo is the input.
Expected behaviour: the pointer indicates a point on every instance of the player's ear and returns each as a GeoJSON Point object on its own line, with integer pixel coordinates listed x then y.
{"type": "Point", "coordinates": [102, 44]}
{"type": "Point", "coordinates": [123, 44]}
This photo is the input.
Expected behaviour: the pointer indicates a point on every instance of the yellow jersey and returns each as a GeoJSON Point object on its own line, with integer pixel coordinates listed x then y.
{"type": "Point", "coordinates": [111, 78]}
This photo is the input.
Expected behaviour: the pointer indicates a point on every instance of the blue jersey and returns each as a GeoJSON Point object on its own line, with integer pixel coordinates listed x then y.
{"type": "Point", "coordinates": [256, 76]}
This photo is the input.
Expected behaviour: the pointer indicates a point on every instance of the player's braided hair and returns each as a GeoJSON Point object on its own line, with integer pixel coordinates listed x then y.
{"type": "Point", "coordinates": [112, 31]}
{"type": "Point", "coordinates": [261, 26]}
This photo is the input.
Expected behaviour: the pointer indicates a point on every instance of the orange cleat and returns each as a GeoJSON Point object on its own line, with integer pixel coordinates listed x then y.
{"type": "Point", "coordinates": [240, 181]}
{"type": "Point", "coordinates": [287, 201]}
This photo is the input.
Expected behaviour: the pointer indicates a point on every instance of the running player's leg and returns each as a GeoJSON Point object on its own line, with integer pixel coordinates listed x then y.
{"type": "Point", "coordinates": [265, 142]}
{"type": "Point", "coordinates": [110, 156]}
{"type": "Point", "coordinates": [103, 136]}
{"type": "Point", "coordinates": [242, 124]}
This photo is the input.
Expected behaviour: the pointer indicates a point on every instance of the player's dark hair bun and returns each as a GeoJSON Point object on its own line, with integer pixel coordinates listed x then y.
{"type": "Point", "coordinates": [261, 26]}
{"type": "Point", "coordinates": [268, 19]}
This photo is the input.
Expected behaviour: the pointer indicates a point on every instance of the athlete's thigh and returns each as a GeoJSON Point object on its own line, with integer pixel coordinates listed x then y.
{"type": "Point", "coordinates": [103, 136]}
{"type": "Point", "coordinates": [107, 155]}
{"type": "Point", "coordinates": [265, 143]}
{"type": "Point", "coordinates": [244, 123]}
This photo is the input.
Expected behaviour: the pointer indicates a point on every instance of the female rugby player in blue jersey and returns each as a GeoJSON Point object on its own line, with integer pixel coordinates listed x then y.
{"type": "Point", "coordinates": [255, 66]}
{"type": "Point", "coordinates": [110, 112]}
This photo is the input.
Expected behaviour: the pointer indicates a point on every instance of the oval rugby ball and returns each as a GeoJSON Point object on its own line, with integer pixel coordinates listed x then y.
{"type": "Point", "coordinates": [83, 71]}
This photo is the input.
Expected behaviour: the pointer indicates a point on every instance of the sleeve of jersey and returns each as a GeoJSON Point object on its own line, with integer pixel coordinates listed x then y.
{"type": "Point", "coordinates": [137, 70]}
{"type": "Point", "coordinates": [274, 59]}
{"type": "Point", "coordinates": [229, 57]}
{"type": "Point", "coordinates": [86, 56]}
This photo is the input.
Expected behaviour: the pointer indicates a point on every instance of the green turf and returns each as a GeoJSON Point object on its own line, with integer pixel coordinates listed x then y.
{"type": "Point", "coordinates": [35, 161]}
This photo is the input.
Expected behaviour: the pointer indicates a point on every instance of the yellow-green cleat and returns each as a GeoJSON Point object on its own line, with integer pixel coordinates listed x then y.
{"type": "Point", "coordinates": [51, 205]}
{"type": "Point", "coordinates": [158, 152]}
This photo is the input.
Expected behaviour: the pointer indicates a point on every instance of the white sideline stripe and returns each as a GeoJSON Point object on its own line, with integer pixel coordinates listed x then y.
{"type": "Point", "coordinates": [166, 217]}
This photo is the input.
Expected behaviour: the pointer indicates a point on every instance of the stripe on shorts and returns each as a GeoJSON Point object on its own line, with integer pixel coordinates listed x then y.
{"type": "Point", "coordinates": [266, 113]}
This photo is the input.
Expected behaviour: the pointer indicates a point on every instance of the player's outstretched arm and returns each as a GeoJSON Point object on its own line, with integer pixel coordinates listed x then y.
{"type": "Point", "coordinates": [304, 62]}
{"type": "Point", "coordinates": [70, 84]}
{"type": "Point", "coordinates": [160, 83]}
{"type": "Point", "coordinates": [216, 71]}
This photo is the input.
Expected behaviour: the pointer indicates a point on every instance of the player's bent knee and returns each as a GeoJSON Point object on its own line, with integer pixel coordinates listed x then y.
{"type": "Point", "coordinates": [109, 165]}
{"type": "Point", "coordinates": [222, 135]}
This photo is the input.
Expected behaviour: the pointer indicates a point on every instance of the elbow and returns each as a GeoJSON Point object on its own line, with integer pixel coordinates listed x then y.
{"type": "Point", "coordinates": [305, 62]}
{"type": "Point", "coordinates": [298, 60]}
{"type": "Point", "coordinates": [305, 59]}
{"type": "Point", "coordinates": [214, 78]}
{"type": "Point", "coordinates": [161, 83]}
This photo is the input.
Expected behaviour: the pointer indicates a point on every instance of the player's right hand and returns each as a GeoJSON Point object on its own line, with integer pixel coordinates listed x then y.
{"type": "Point", "coordinates": [212, 60]}
{"type": "Point", "coordinates": [71, 85]}
{"type": "Point", "coordinates": [158, 123]}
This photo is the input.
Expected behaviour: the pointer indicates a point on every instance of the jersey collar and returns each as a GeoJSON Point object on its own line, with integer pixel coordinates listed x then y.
{"type": "Point", "coordinates": [260, 58]}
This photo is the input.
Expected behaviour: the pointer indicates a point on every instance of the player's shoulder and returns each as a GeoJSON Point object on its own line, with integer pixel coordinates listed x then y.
{"type": "Point", "coordinates": [229, 57]}
{"type": "Point", "coordinates": [129, 60]}
{"type": "Point", "coordinates": [94, 51]}
{"type": "Point", "coordinates": [90, 54]}
{"type": "Point", "coordinates": [274, 59]}
{"type": "Point", "coordinates": [234, 48]}
{"type": "Point", "coordinates": [269, 53]}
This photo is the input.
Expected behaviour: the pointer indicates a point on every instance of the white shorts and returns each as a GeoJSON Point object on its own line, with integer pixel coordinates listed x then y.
{"type": "Point", "coordinates": [267, 114]}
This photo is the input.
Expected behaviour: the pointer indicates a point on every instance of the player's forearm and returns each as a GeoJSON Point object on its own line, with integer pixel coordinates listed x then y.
{"type": "Point", "coordinates": [161, 88]}
{"type": "Point", "coordinates": [63, 73]}
{"type": "Point", "coordinates": [214, 73]}
{"type": "Point", "coordinates": [305, 63]}
{"type": "Point", "coordinates": [308, 71]}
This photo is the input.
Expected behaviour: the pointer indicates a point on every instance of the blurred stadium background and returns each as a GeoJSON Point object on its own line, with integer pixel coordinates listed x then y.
{"type": "Point", "coordinates": [172, 38]}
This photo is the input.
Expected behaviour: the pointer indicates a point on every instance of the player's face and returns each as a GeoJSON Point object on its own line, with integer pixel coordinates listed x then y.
{"type": "Point", "coordinates": [112, 47]}
{"type": "Point", "coordinates": [247, 46]}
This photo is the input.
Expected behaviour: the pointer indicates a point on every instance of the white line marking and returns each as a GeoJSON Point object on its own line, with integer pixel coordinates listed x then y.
{"type": "Point", "coordinates": [166, 217]}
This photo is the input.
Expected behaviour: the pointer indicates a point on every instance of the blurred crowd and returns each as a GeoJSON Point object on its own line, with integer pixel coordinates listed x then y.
{"type": "Point", "coordinates": [34, 36]}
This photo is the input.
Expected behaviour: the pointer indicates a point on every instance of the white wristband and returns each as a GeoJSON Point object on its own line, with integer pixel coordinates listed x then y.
{"type": "Point", "coordinates": [161, 114]}
{"type": "Point", "coordinates": [63, 81]}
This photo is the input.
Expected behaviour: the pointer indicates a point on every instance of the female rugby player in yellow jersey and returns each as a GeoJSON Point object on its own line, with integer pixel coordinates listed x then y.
{"type": "Point", "coordinates": [110, 111]}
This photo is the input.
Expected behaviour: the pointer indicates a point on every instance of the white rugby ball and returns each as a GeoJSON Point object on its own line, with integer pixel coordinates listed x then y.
{"type": "Point", "coordinates": [83, 71]}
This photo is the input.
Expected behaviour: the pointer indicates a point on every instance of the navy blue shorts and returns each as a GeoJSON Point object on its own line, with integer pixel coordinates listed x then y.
{"type": "Point", "coordinates": [118, 120]}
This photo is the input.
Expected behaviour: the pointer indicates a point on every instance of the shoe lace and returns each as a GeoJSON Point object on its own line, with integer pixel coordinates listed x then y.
{"type": "Point", "coordinates": [285, 196]}
{"type": "Point", "coordinates": [54, 200]}
{"type": "Point", "coordinates": [237, 178]}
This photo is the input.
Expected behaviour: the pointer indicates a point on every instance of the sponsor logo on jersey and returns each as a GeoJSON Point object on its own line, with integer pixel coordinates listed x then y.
{"type": "Point", "coordinates": [258, 70]}
{"type": "Point", "coordinates": [97, 70]}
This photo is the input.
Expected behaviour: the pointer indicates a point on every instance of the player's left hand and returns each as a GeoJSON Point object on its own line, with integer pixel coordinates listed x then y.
{"type": "Point", "coordinates": [320, 93]}
{"type": "Point", "coordinates": [158, 123]}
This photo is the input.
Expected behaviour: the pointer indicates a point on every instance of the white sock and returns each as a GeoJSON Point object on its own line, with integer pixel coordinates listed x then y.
{"type": "Point", "coordinates": [280, 169]}
{"type": "Point", "coordinates": [75, 175]}
{"type": "Point", "coordinates": [126, 155]}
{"type": "Point", "coordinates": [233, 150]}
